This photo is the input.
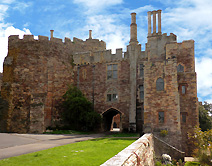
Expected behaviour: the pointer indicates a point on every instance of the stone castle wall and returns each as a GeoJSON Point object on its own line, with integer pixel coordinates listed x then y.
{"type": "Point", "coordinates": [189, 100]}
{"type": "Point", "coordinates": [92, 81]}
{"type": "Point", "coordinates": [36, 75]}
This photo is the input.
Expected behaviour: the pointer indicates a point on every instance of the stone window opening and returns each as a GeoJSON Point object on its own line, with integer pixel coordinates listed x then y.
{"type": "Point", "coordinates": [141, 92]}
{"type": "Point", "coordinates": [180, 68]}
{"type": "Point", "coordinates": [184, 117]}
{"type": "Point", "coordinates": [112, 71]}
{"type": "Point", "coordinates": [112, 95]}
{"type": "Point", "coordinates": [161, 118]}
{"type": "Point", "coordinates": [160, 84]}
{"type": "Point", "coordinates": [141, 74]}
{"type": "Point", "coordinates": [183, 89]}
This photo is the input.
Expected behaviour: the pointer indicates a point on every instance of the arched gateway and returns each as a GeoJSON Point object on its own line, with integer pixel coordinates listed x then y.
{"type": "Point", "coordinates": [112, 119]}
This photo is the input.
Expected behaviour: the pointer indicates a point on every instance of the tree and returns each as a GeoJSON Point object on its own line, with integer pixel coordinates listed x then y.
{"type": "Point", "coordinates": [208, 106]}
{"type": "Point", "coordinates": [78, 112]}
{"type": "Point", "coordinates": [205, 120]}
{"type": "Point", "coordinates": [203, 143]}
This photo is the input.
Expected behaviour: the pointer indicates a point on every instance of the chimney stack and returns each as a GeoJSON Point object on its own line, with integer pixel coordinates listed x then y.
{"type": "Point", "coordinates": [52, 31]}
{"type": "Point", "coordinates": [133, 29]}
{"type": "Point", "coordinates": [90, 34]}
{"type": "Point", "coordinates": [154, 13]}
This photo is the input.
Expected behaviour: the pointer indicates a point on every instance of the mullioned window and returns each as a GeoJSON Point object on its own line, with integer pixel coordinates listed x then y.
{"type": "Point", "coordinates": [112, 71]}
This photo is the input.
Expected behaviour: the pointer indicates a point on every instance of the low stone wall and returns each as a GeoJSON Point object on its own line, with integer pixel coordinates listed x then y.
{"type": "Point", "coordinates": [161, 147]}
{"type": "Point", "coordinates": [141, 152]}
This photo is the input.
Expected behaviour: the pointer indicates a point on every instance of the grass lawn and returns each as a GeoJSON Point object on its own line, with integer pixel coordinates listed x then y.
{"type": "Point", "coordinates": [192, 164]}
{"type": "Point", "coordinates": [92, 152]}
{"type": "Point", "coordinates": [123, 135]}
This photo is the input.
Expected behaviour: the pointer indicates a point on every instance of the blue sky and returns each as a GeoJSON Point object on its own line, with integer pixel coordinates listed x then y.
{"type": "Point", "coordinates": [110, 21]}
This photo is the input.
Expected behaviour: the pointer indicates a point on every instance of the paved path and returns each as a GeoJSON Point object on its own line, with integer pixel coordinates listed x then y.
{"type": "Point", "coordinates": [18, 144]}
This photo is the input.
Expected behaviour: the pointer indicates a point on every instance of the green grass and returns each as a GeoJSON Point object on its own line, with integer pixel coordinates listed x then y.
{"type": "Point", "coordinates": [192, 164]}
{"type": "Point", "coordinates": [123, 135]}
{"type": "Point", "coordinates": [86, 153]}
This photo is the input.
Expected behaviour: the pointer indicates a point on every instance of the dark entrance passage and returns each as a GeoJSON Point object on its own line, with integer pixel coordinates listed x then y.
{"type": "Point", "coordinates": [111, 119]}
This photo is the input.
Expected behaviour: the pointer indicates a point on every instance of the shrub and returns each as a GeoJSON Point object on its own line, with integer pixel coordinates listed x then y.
{"type": "Point", "coordinates": [163, 133]}
{"type": "Point", "coordinates": [158, 163]}
{"type": "Point", "coordinates": [78, 112]}
{"type": "Point", "coordinates": [203, 144]}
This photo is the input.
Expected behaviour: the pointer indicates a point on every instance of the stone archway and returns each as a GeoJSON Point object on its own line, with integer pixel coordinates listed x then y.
{"type": "Point", "coordinates": [112, 118]}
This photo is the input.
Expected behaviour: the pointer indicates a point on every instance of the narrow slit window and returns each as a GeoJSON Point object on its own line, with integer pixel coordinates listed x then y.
{"type": "Point", "coordinates": [160, 84]}
{"type": "Point", "coordinates": [183, 89]}
{"type": "Point", "coordinates": [141, 88]}
{"type": "Point", "coordinates": [161, 117]}
{"type": "Point", "coordinates": [141, 70]}
{"type": "Point", "coordinates": [184, 118]}
{"type": "Point", "coordinates": [109, 97]}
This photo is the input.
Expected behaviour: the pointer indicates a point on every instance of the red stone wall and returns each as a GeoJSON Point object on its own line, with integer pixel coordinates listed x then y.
{"type": "Point", "coordinates": [96, 77]}
{"type": "Point", "coordinates": [36, 75]}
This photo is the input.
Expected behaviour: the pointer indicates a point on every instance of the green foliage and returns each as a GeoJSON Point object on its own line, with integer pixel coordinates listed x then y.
{"type": "Point", "coordinates": [163, 133]}
{"type": "Point", "coordinates": [123, 135]}
{"type": "Point", "coordinates": [158, 163]}
{"type": "Point", "coordinates": [192, 164]}
{"type": "Point", "coordinates": [85, 153]}
{"type": "Point", "coordinates": [78, 111]}
{"type": "Point", "coordinates": [180, 162]}
{"type": "Point", "coordinates": [204, 119]}
{"type": "Point", "coordinates": [203, 143]}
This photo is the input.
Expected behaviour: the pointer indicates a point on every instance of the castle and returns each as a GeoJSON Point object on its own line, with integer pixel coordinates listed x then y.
{"type": "Point", "coordinates": [150, 90]}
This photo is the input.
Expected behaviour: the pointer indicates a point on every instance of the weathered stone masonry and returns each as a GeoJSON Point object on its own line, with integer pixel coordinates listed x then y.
{"type": "Point", "coordinates": [151, 90]}
{"type": "Point", "coordinates": [36, 75]}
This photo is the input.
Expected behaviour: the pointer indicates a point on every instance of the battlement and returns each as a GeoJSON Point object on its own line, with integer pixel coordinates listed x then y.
{"type": "Point", "coordinates": [173, 49]}
{"type": "Point", "coordinates": [81, 58]}
{"type": "Point", "coordinates": [16, 38]}
{"type": "Point", "coordinates": [78, 45]}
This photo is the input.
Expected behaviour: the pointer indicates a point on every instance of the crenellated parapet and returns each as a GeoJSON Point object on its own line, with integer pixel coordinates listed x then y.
{"type": "Point", "coordinates": [77, 45]}
{"type": "Point", "coordinates": [155, 47]}
{"type": "Point", "coordinates": [184, 54]}
{"type": "Point", "coordinates": [89, 57]}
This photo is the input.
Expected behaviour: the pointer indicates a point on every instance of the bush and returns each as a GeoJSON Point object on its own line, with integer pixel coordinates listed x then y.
{"type": "Point", "coordinates": [163, 133]}
{"type": "Point", "coordinates": [78, 112]}
{"type": "Point", "coordinates": [203, 144]}
{"type": "Point", "coordinates": [158, 163]}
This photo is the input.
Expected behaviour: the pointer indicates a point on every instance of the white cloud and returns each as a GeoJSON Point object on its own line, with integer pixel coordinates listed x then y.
{"type": "Point", "coordinates": [98, 3]}
{"type": "Point", "coordinates": [7, 1]}
{"type": "Point", "coordinates": [107, 28]}
{"type": "Point", "coordinates": [26, 24]}
{"type": "Point", "coordinates": [22, 6]}
{"type": "Point", "coordinates": [204, 77]}
{"type": "Point", "coordinates": [3, 9]}
{"type": "Point", "coordinates": [51, 8]}
{"type": "Point", "coordinates": [95, 6]}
